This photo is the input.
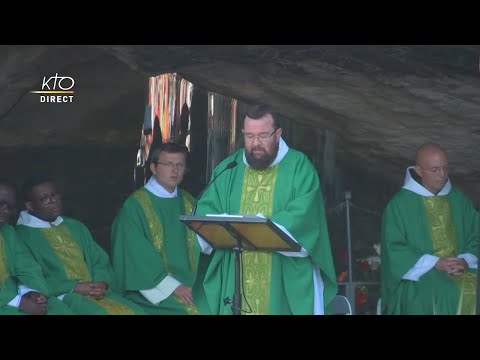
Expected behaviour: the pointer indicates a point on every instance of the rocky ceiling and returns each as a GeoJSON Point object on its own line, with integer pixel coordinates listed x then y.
{"type": "Point", "coordinates": [380, 101]}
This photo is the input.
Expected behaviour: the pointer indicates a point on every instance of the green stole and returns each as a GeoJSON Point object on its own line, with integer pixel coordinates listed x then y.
{"type": "Point", "coordinates": [257, 196]}
{"type": "Point", "coordinates": [444, 240]}
{"type": "Point", "coordinates": [71, 256]}
{"type": "Point", "coordinates": [155, 229]}
{"type": "Point", "coordinates": [4, 274]}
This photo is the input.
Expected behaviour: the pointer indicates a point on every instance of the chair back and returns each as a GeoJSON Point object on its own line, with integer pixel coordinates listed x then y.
{"type": "Point", "coordinates": [340, 306]}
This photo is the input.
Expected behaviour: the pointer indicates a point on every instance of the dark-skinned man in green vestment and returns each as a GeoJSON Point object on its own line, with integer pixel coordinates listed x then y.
{"type": "Point", "coordinates": [280, 183]}
{"type": "Point", "coordinates": [76, 268]}
{"type": "Point", "coordinates": [23, 289]}
{"type": "Point", "coordinates": [154, 256]}
{"type": "Point", "coordinates": [429, 242]}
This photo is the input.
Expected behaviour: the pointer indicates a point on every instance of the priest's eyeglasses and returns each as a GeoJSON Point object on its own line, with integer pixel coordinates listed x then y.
{"type": "Point", "coordinates": [48, 199]}
{"type": "Point", "coordinates": [171, 165]}
{"type": "Point", "coordinates": [260, 137]}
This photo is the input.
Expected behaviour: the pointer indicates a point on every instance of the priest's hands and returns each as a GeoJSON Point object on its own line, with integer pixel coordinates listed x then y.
{"type": "Point", "coordinates": [98, 290]}
{"type": "Point", "coordinates": [34, 303]}
{"type": "Point", "coordinates": [184, 293]}
{"type": "Point", "coordinates": [452, 265]}
{"type": "Point", "coordinates": [95, 289]}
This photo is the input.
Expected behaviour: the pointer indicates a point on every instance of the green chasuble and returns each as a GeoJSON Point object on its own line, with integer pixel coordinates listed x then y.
{"type": "Point", "coordinates": [149, 243]}
{"type": "Point", "coordinates": [67, 254]}
{"type": "Point", "coordinates": [289, 194]}
{"type": "Point", "coordinates": [415, 225]}
{"type": "Point", "coordinates": [18, 267]}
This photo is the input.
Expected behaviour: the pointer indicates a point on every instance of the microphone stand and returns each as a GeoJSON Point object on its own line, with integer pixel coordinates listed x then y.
{"type": "Point", "coordinates": [350, 287]}
{"type": "Point", "coordinates": [237, 295]}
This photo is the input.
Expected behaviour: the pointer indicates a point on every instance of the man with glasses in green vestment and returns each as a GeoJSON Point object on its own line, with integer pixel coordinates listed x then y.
{"type": "Point", "coordinates": [155, 257]}
{"type": "Point", "coordinates": [23, 289]}
{"type": "Point", "coordinates": [429, 242]}
{"type": "Point", "coordinates": [77, 269]}
{"type": "Point", "coordinates": [272, 180]}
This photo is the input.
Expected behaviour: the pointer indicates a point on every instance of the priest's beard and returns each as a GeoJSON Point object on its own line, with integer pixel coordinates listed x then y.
{"type": "Point", "coordinates": [263, 161]}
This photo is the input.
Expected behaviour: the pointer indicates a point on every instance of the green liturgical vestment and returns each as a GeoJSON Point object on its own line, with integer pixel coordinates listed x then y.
{"type": "Point", "coordinates": [289, 194]}
{"type": "Point", "coordinates": [17, 267]}
{"type": "Point", "coordinates": [151, 244]}
{"type": "Point", "coordinates": [68, 254]}
{"type": "Point", "coordinates": [417, 225]}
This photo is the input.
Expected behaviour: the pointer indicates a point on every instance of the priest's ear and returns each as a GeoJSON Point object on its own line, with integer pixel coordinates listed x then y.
{"type": "Point", "coordinates": [278, 133]}
{"type": "Point", "coordinates": [153, 167]}
{"type": "Point", "coordinates": [418, 170]}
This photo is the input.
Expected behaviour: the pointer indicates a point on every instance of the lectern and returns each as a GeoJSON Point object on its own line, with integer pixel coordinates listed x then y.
{"type": "Point", "coordinates": [238, 233]}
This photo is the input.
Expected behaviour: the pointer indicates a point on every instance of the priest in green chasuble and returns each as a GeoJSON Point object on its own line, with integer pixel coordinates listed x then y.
{"type": "Point", "coordinates": [280, 183]}
{"type": "Point", "coordinates": [429, 243]}
{"type": "Point", "coordinates": [155, 257]}
{"type": "Point", "coordinates": [23, 290]}
{"type": "Point", "coordinates": [76, 268]}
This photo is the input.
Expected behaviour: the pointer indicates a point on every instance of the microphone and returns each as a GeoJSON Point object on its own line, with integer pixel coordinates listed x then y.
{"type": "Point", "coordinates": [230, 165]}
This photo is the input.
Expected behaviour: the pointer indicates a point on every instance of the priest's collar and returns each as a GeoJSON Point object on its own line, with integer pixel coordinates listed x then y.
{"type": "Point", "coordinates": [413, 185]}
{"type": "Point", "coordinates": [30, 220]}
{"type": "Point", "coordinates": [282, 151]}
{"type": "Point", "coordinates": [158, 190]}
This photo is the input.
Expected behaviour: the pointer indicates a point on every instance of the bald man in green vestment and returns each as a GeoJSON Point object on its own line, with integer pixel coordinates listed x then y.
{"type": "Point", "coordinates": [280, 183]}
{"type": "Point", "coordinates": [429, 242]}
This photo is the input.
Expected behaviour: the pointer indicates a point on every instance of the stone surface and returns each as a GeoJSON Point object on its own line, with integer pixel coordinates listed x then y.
{"type": "Point", "coordinates": [381, 101]}
{"type": "Point", "coordinates": [378, 103]}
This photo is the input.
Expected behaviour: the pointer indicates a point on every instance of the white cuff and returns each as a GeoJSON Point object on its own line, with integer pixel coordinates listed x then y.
{"type": "Point", "coordinates": [471, 260]}
{"type": "Point", "coordinates": [16, 301]}
{"type": "Point", "coordinates": [23, 289]}
{"type": "Point", "coordinates": [424, 264]}
{"type": "Point", "coordinates": [205, 247]}
{"type": "Point", "coordinates": [163, 290]}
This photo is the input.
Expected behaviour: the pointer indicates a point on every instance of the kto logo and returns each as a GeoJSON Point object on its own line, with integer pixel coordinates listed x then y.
{"type": "Point", "coordinates": [56, 88]}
